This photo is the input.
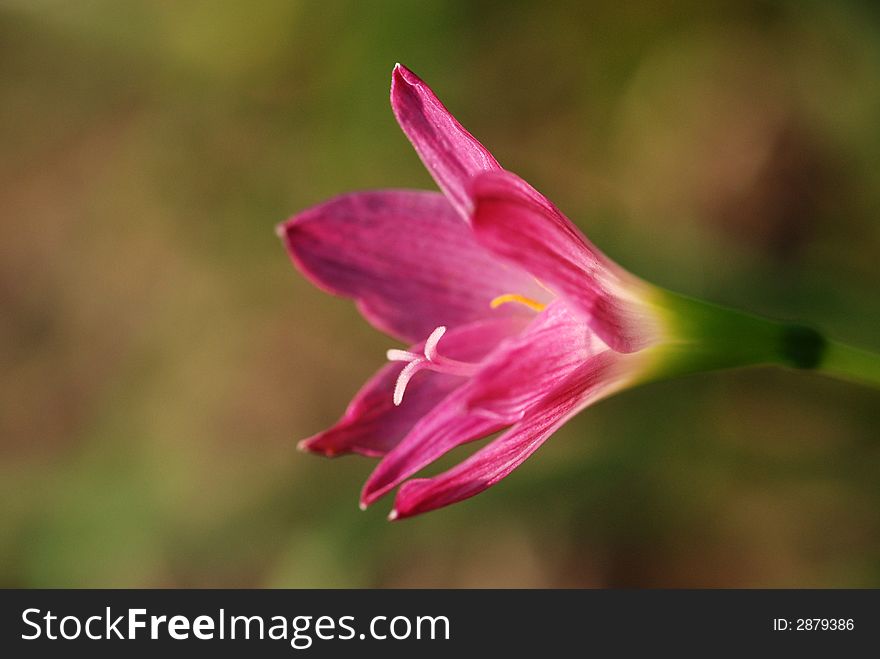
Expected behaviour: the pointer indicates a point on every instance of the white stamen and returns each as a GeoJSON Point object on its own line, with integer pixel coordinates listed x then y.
{"type": "Point", "coordinates": [432, 341]}
{"type": "Point", "coordinates": [405, 376]}
{"type": "Point", "coordinates": [395, 355]}
{"type": "Point", "coordinates": [431, 359]}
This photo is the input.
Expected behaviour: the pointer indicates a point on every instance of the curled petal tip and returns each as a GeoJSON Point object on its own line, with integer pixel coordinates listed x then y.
{"type": "Point", "coordinates": [405, 74]}
{"type": "Point", "coordinates": [393, 515]}
{"type": "Point", "coordinates": [311, 446]}
{"type": "Point", "coordinates": [281, 229]}
{"type": "Point", "coordinates": [362, 505]}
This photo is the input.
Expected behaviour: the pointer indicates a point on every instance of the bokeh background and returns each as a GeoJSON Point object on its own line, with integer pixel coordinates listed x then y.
{"type": "Point", "coordinates": [161, 356]}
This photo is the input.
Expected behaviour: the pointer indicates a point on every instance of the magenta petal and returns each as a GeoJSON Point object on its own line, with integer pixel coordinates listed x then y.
{"type": "Point", "coordinates": [450, 153]}
{"type": "Point", "coordinates": [408, 260]}
{"type": "Point", "coordinates": [372, 425]}
{"type": "Point", "coordinates": [555, 344]}
{"type": "Point", "coordinates": [591, 381]}
{"type": "Point", "coordinates": [517, 374]}
{"type": "Point", "coordinates": [448, 425]}
{"type": "Point", "coordinates": [519, 224]}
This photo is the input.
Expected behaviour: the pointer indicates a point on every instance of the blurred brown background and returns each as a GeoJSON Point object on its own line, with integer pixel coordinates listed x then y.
{"type": "Point", "coordinates": [160, 355]}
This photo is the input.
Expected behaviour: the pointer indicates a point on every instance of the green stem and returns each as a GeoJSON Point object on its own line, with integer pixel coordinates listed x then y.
{"type": "Point", "coordinates": [848, 363]}
{"type": "Point", "coordinates": [706, 336]}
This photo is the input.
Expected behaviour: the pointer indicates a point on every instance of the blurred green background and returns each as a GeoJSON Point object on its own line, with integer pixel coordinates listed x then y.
{"type": "Point", "coordinates": [161, 356]}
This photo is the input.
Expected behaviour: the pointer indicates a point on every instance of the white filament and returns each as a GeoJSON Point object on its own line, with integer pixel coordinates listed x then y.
{"type": "Point", "coordinates": [431, 343]}
{"type": "Point", "coordinates": [431, 360]}
{"type": "Point", "coordinates": [405, 376]}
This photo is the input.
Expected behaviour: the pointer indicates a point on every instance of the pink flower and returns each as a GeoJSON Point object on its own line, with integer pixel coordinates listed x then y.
{"type": "Point", "coordinates": [515, 322]}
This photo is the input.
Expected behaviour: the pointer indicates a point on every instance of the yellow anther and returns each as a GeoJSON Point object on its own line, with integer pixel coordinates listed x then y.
{"type": "Point", "coordinates": [513, 297]}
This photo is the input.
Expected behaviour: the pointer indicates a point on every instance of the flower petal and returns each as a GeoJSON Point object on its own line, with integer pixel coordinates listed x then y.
{"type": "Point", "coordinates": [450, 153]}
{"type": "Point", "coordinates": [517, 374]}
{"type": "Point", "coordinates": [446, 426]}
{"type": "Point", "coordinates": [407, 259]}
{"type": "Point", "coordinates": [521, 225]}
{"type": "Point", "coordinates": [556, 343]}
{"type": "Point", "coordinates": [372, 425]}
{"type": "Point", "coordinates": [588, 383]}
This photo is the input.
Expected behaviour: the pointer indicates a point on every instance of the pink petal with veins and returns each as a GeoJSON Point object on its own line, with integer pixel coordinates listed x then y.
{"type": "Point", "coordinates": [407, 259]}
{"type": "Point", "coordinates": [450, 153]}
{"type": "Point", "coordinates": [532, 364]}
